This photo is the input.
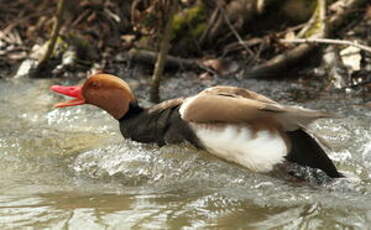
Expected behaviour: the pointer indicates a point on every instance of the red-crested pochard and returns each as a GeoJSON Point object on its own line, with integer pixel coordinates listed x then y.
{"type": "Point", "coordinates": [232, 123]}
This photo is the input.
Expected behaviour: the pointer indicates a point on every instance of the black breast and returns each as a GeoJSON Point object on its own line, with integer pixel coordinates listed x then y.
{"type": "Point", "coordinates": [163, 126]}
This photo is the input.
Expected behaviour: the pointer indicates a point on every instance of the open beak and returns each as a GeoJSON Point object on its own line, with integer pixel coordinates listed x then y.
{"type": "Point", "coordinates": [71, 91]}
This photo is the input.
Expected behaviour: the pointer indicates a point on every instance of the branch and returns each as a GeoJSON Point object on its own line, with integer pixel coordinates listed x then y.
{"type": "Point", "coordinates": [328, 41]}
{"type": "Point", "coordinates": [161, 58]}
{"type": "Point", "coordinates": [55, 32]}
{"type": "Point", "coordinates": [235, 33]}
{"type": "Point", "coordinates": [282, 61]}
{"type": "Point", "coordinates": [149, 58]}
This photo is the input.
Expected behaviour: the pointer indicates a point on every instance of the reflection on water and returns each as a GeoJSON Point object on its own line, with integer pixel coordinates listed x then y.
{"type": "Point", "coordinates": [70, 169]}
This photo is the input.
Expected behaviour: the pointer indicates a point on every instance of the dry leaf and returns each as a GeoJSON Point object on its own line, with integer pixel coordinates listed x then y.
{"type": "Point", "coordinates": [205, 76]}
{"type": "Point", "coordinates": [214, 64]}
{"type": "Point", "coordinates": [128, 38]}
{"type": "Point", "coordinates": [351, 57]}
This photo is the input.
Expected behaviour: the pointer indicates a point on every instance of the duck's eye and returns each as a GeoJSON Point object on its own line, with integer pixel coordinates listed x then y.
{"type": "Point", "coordinates": [95, 85]}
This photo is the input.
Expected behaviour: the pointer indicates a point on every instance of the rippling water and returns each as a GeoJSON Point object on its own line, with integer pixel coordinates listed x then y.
{"type": "Point", "coordinates": [70, 169]}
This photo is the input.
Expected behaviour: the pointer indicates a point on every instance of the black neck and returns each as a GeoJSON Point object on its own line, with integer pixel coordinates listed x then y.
{"type": "Point", "coordinates": [161, 126]}
{"type": "Point", "coordinates": [134, 110]}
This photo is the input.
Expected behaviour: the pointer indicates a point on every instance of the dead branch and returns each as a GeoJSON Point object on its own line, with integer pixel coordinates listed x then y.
{"type": "Point", "coordinates": [235, 33]}
{"type": "Point", "coordinates": [55, 33]}
{"type": "Point", "coordinates": [329, 41]}
{"type": "Point", "coordinates": [236, 46]}
{"type": "Point", "coordinates": [347, 8]}
{"type": "Point", "coordinates": [161, 59]}
{"type": "Point", "coordinates": [210, 22]}
{"type": "Point", "coordinates": [149, 57]}
{"type": "Point", "coordinates": [282, 61]}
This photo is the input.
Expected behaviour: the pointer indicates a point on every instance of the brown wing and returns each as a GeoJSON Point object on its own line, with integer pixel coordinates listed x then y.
{"type": "Point", "coordinates": [223, 108]}
{"type": "Point", "coordinates": [237, 92]}
{"type": "Point", "coordinates": [234, 105]}
{"type": "Point", "coordinates": [166, 104]}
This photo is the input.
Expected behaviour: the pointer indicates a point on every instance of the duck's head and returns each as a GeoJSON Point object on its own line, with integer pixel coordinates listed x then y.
{"type": "Point", "coordinates": [106, 91]}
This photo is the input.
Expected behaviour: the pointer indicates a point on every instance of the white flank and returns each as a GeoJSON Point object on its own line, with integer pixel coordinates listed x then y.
{"type": "Point", "coordinates": [258, 152]}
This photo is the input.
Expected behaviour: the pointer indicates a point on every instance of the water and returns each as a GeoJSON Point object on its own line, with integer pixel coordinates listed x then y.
{"type": "Point", "coordinates": [71, 169]}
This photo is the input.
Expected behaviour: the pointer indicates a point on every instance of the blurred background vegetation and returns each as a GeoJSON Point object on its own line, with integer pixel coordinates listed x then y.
{"type": "Point", "coordinates": [245, 38]}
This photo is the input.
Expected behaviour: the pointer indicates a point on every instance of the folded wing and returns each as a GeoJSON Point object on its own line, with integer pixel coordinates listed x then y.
{"type": "Point", "coordinates": [235, 105]}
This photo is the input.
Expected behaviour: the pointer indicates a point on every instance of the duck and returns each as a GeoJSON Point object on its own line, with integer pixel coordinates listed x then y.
{"type": "Point", "coordinates": [234, 124]}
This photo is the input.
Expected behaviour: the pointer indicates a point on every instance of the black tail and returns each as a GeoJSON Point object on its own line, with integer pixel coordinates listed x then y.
{"type": "Point", "coordinates": [307, 152]}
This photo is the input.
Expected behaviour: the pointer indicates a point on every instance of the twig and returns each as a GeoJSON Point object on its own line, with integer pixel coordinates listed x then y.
{"type": "Point", "coordinates": [149, 57]}
{"type": "Point", "coordinates": [235, 33]}
{"type": "Point", "coordinates": [235, 46]}
{"type": "Point", "coordinates": [55, 32]}
{"type": "Point", "coordinates": [210, 22]}
{"type": "Point", "coordinates": [348, 7]}
{"type": "Point", "coordinates": [17, 22]}
{"type": "Point", "coordinates": [280, 62]}
{"type": "Point", "coordinates": [328, 41]}
{"type": "Point", "coordinates": [161, 59]}
{"type": "Point", "coordinates": [283, 61]}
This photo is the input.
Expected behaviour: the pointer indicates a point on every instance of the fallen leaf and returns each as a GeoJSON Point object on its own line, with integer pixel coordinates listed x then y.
{"type": "Point", "coordinates": [351, 57]}
{"type": "Point", "coordinates": [205, 76]}
{"type": "Point", "coordinates": [128, 38]}
{"type": "Point", "coordinates": [214, 64]}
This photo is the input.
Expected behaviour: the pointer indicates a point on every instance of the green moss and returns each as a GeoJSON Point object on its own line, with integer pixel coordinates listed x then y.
{"type": "Point", "coordinates": [317, 26]}
{"type": "Point", "coordinates": [188, 18]}
{"type": "Point", "coordinates": [60, 46]}
{"type": "Point", "coordinates": [188, 24]}
{"type": "Point", "coordinates": [198, 30]}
